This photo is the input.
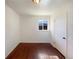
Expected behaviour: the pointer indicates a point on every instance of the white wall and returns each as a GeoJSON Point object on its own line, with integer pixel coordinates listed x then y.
{"type": "Point", "coordinates": [59, 31]}
{"type": "Point", "coordinates": [70, 32]}
{"type": "Point", "coordinates": [12, 29]}
{"type": "Point", "coordinates": [69, 18]}
{"type": "Point", "coordinates": [30, 32]}
{"type": "Point", "coordinates": [53, 41]}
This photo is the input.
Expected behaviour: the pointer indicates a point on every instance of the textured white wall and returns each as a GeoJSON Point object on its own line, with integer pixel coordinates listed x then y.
{"type": "Point", "coordinates": [30, 32]}
{"type": "Point", "coordinates": [12, 30]}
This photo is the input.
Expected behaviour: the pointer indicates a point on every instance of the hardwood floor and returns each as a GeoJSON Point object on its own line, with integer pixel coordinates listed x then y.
{"type": "Point", "coordinates": [34, 51]}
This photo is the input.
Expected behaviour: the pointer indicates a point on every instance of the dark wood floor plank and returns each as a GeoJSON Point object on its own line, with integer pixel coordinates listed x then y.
{"type": "Point", "coordinates": [32, 51]}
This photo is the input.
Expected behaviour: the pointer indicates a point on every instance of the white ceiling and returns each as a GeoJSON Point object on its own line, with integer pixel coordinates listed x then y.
{"type": "Point", "coordinates": [45, 7]}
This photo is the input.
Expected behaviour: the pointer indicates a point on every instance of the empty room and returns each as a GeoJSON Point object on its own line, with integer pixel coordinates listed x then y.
{"type": "Point", "coordinates": [38, 29]}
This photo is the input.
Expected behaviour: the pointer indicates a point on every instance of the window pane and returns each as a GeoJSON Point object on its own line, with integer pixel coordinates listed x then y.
{"type": "Point", "coordinates": [45, 27]}
{"type": "Point", "coordinates": [40, 24]}
{"type": "Point", "coordinates": [40, 27]}
{"type": "Point", "coordinates": [43, 24]}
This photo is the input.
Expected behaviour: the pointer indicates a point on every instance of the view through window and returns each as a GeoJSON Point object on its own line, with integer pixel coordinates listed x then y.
{"type": "Point", "coordinates": [43, 25]}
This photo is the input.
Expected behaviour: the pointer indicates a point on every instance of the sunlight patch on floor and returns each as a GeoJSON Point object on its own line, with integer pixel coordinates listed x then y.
{"type": "Point", "coordinates": [45, 56]}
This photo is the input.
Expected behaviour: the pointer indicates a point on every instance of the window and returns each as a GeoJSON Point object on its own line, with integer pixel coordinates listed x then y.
{"type": "Point", "coordinates": [43, 25]}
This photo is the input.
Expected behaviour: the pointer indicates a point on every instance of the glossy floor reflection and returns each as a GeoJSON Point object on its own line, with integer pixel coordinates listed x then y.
{"type": "Point", "coordinates": [45, 56]}
{"type": "Point", "coordinates": [35, 51]}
